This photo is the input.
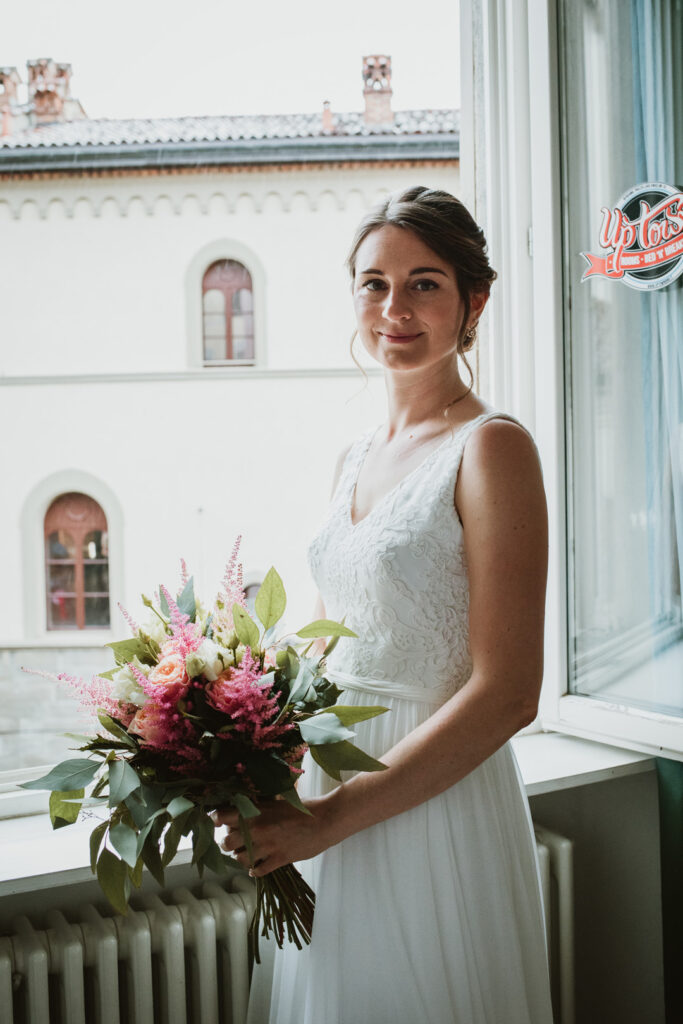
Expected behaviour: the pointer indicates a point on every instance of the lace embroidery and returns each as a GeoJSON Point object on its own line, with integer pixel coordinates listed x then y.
{"type": "Point", "coordinates": [399, 574]}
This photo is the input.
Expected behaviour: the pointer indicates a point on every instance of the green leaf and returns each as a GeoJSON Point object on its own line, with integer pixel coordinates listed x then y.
{"type": "Point", "coordinates": [202, 836]}
{"type": "Point", "coordinates": [301, 687]}
{"type": "Point", "coordinates": [271, 599]}
{"type": "Point", "coordinates": [324, 728]}
{"type": "Point", "coordinates": [152, 859]}
{"type": "Point", "coordinates": [61, 812]}
{"type": "Point", "coordinates": [325, 627]}
{"type": "Point", "coordinates": [351, 713]}
{"type": "Point", "coordinates": [293, 798]}
{"type": "Point", "coordinates": [163, 604]}
{"type": "Point", "coordinates": [344, 756]}
{"type": "Point", "coordinates": [244, 805]}
{"type": "Point", "coordinates": [73, 774]}
{"type": "Point", "coordinates": [186, 601]}
{"type": "Point", "coordinates": [109, 674]}
{"type": "Point", "coordinates": [122, 781]}
{"type": "Point", "coordinates": [245, 627]}
{"type": "Point", "coordinates": [172, 838]}
{"type": "Point", "coordinates": [135, 874]}
{"type": "Point", "coordinates": [112, 874]}
{"type": "Point", "coordinates": [115, 729]}
{"type": "Point", "coordinates": [96, 837]}
{"type": "Point", "coordinates": [179, 805]}
{"type": "Point", "coordinates": [217, 861]}
{"type": "Point", "coordinates": [125, 842]}
{"type": "Point", "coordinates": [126, 650]}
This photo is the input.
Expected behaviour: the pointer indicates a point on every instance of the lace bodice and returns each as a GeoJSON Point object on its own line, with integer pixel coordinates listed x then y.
{"type": "Point", "coordinates": [399, 576]}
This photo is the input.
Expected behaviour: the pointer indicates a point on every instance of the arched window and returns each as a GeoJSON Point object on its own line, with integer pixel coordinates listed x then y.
{"type": "Point", "coordinates": [76, 564]}
{"type": "Point", "coordinates": [228, 313]}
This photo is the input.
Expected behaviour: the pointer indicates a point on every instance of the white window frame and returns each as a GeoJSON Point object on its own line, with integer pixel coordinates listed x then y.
{"type": "Point", "coordinates": [223, 249]}
{"type": "Point", "coordinates": [511, 112]}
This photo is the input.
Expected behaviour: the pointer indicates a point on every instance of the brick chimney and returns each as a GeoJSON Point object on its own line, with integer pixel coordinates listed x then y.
{"type": "Point", "coordinates": [328, 118]}
{"type": "Point", "coordinates": [377, 89]}
{"type": "Point", "coordinates": [49, 92]}
{"type": "Point", "coordinates": [9, 80]}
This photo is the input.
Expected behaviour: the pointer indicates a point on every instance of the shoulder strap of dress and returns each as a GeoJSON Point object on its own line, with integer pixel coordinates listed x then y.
{"type": "Point", "coordinates": [453, 453]}
{"type": "Point", "coordinates": [353, 456]}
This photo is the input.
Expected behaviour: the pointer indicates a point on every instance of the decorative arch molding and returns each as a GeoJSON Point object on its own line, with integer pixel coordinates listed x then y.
{"type": "Point", "coordinates": [223, 249]}
{"type": "Point", "coordinates": [197, 201]}
{"type": "Point", "coordinates": [33, 513]}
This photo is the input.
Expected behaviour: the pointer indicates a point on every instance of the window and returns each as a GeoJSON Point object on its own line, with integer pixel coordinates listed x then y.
{"type": "Point", "coordinates": [622, 115]}
{"type": "Point", "coordinates": [76, 564]}
{"type": "Point", "coordinates": [227, 313]}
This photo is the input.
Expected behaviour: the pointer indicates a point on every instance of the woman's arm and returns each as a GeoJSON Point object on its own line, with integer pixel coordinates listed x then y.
{"type": "Point", "coordinates": [501, 503]}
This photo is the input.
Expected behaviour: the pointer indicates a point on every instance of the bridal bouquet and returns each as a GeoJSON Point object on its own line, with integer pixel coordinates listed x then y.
{"type": "Point", "coordinates": [205, 708]}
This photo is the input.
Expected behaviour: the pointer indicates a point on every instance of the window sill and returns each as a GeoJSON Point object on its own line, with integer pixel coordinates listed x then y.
{"type": "Point", "coordinates": [34, 857]}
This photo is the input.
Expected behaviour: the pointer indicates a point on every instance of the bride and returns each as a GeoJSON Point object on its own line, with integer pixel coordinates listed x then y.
{"type": "Point", "coordinates": [428, 905]}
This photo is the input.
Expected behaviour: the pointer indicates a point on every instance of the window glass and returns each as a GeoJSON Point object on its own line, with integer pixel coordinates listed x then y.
{"type": "Point", "coordinates": [76, 563]}
{"type": "Point", "coordinates": [228, 319]}
{"type": "Point", "coordinates": [622, 106]}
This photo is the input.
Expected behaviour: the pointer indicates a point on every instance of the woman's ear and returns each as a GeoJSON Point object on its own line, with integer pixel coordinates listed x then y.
{"type": "Point", "coordinates": [478, 301]}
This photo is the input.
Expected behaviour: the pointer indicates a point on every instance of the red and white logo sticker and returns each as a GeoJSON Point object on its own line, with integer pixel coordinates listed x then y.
{"type": "Point", "coordinates": [643, 238]}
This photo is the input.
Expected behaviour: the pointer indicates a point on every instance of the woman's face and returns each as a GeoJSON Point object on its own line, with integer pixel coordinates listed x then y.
{"type": "Point", "coordinates": [408, 305]}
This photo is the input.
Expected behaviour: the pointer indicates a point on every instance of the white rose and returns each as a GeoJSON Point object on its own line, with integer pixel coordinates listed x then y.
{"type": "Point", "coordinates": [154, 627]}
{"type": "Point", "coordinates": [126, 688]}
{"type": "Point", "coordinates": [208, 660]}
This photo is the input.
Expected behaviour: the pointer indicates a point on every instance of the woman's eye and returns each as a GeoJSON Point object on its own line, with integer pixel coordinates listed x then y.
{"type": "Point", "coordinates": [425, 285]}
{"type": "Point", "coordinates": [370, 285]}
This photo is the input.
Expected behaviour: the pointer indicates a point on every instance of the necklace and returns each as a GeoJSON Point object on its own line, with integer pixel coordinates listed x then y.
{"type": "Point", "coordinates": [458, 398]}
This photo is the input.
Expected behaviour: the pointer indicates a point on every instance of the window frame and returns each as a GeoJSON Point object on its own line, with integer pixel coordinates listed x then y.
{"type": "Point", "coordinates": [223, 249]}
{"type": "Point", "coordinates": [511, 102]}
{"type": "Point", "coordinates": [79, 562]}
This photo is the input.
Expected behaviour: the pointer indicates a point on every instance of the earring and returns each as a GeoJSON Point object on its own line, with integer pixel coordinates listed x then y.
{"type": "Point", "coordinates": [471, 334]}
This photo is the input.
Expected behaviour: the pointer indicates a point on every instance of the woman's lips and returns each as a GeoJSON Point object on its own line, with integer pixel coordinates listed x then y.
{"type": "Point", "coordinates": [399, 338]}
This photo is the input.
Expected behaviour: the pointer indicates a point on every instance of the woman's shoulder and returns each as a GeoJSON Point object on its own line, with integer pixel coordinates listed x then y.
{"type": "Point", "coordinates": [499, 456]}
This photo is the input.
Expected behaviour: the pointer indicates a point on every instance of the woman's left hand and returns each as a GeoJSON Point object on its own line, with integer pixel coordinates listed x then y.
{"type": "Point", "coordinates": [280, 834]}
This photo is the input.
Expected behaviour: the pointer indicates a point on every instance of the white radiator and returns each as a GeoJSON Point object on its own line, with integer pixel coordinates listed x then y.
{"type": "Point", "coordinates": [555, 855]}
{"type": "Point", "coordinates": [180, 959]}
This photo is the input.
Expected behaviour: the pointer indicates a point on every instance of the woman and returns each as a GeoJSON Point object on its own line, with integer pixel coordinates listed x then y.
{"type": "Point", "coordinates": [435, 547]}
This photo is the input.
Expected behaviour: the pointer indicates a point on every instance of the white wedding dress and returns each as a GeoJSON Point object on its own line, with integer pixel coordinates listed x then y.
{"type": "Point", "coordinates": [433, 916]}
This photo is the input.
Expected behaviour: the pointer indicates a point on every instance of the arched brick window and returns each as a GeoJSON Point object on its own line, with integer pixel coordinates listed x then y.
{"type": "Point", "coordinates": [228, 313]}
{"type": "Point", "coordinates": [76, 564]}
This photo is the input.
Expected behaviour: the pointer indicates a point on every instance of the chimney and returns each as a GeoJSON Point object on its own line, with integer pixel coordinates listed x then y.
{"type": "Point", "coordinates": [377, 89]}
{"type": "Point", "coordinates": [9, 80]}
{"type": "Point", "coordinates": [49, 92]}
{"type": "Point", "coordinates": [328, 121]}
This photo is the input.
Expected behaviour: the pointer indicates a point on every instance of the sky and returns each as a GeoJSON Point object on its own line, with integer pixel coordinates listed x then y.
{"type": "Point", "coordinates": [144, 58]}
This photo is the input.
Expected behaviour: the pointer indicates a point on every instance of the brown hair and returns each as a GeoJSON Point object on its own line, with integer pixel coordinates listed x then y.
{"type": "Point", "coordinates": [444, 224]}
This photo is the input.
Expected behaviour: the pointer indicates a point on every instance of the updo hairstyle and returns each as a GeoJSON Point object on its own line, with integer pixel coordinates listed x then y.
{"type": "Point", "coordinates": [448, 228]}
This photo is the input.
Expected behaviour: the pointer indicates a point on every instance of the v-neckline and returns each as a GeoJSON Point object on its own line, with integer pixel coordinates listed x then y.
{"type": "Point", "coordinates": [451, 435]}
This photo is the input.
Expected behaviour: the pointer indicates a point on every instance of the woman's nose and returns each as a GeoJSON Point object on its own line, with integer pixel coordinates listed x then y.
{"type": "Point", "coordinates": [396, 305]}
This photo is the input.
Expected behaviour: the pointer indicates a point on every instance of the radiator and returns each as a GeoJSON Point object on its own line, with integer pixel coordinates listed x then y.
{"type": "Point", "coordinates": [555, 855]}
{"type": "Point", "coordinates": [180, 959]}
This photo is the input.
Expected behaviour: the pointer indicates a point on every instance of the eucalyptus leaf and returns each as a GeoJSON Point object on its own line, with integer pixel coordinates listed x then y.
{"type": "Point", "coordinates": [135, 874]}
{"type": "Point", "coordinates": [271, 599]}
{"type": "Point", "coordinates": [122, 781]}
{"type": "Point", "coordinates": [202, 836]}
{"type": "Point", "coordinates": [115, 729]}
{"type": "Point", "coordinates": [96, 837]}
{"type": "Point", "coordinates": [215, 860]}
{"type": "Point", "coordinates": [303, 683]}
{"type": "Point", "coordinates": [163, 604]}
{"type": "Point", "coordinates": [244, 805]}
{"type": "Point", "coordinates": [344, 756]}
{"type": "Point", "coordinates": [325, 627]}
{"type": "Point", "coordinates": [65, 807]}
{"type": "Point", "coordinates": [152, 859]}
{"type": "Point", "coordinates": [112, 874]}
{"type": "Point", "coordinates": [293, 798]}
{"type": "Point", "coordinates": [186, 601]}
{"type": "Point", "coordinates": [126, 650]}
{"type": "Point", "coordinates": [74, 774]}
{"type": "Point", "coordinates": [246, 629]}
{"type": "Point", "coordinates": [179, 805]}
{"type": "Point", "coordinates": [324, 728]}
{"type": "Point", "coordinates": [125, 842]}
{"type": "Point", "coordinates": [352, 713]}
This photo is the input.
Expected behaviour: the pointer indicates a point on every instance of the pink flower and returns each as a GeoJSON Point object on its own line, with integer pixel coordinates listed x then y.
{"type": "Point", "coordinates": [249, 704]}
{"type": "Point", "coordinates": [151, 724]}
{"type": "Point", "coordinates": [170, 673]}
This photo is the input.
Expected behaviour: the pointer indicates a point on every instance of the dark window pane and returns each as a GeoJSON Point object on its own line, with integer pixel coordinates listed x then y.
{"type": "Point", "coordinates": [97, 611]}
{"type": "Point", "coordinates": [60, 544]}
{"type": "Point", "coordinates": [96, 545]}
{"type": "Point", "coordinates": [61, 578]}
{"type": "Point", "coordinates": [61, 611]}
{"type": "Point", "coordinates": [96, 578]}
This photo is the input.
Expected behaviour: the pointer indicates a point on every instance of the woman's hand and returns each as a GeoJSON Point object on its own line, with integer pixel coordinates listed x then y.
{"type": "Point", "coordinates": [279, 835]}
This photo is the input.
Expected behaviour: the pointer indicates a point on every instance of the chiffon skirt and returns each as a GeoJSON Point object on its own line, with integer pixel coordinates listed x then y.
{"type": "Point", "coordinates": [433, 916]}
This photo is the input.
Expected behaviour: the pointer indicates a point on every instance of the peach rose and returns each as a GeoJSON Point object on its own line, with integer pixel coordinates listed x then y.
{"type": "Point", "coordinates": [150, 725]}
{"type": "Point", "coordinates": [170, 672]}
